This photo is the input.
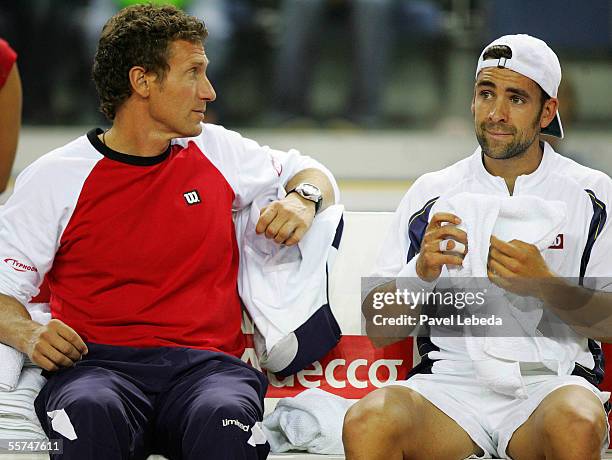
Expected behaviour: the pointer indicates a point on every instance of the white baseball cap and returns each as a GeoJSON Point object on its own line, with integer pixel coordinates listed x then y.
{"type": "Point", "coordinates": [534, 59]}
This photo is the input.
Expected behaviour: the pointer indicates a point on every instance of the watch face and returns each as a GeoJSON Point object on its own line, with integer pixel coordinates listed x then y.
{"type": "Point", "coordinates": [310, 190]}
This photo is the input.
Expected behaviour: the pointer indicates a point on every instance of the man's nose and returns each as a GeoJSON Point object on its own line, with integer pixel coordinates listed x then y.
{"type": "Point", "coordinates": [499, 111]}
{"type": "Point", "coordinates": [207, 92]}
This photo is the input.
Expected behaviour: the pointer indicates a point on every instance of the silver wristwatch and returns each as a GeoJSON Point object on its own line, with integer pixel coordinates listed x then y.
{"type": "Point", "coordinates": [310, 192]}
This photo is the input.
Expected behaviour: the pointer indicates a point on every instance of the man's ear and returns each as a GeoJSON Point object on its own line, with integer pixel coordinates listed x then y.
{"type": "Point", "coordinates": [140, 81]}
{"type": "Point", "coordinates": [549, 111]}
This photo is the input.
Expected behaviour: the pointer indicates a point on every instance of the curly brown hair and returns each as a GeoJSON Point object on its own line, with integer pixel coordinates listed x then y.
{"type": "Point", "coordinates": [138, 35]}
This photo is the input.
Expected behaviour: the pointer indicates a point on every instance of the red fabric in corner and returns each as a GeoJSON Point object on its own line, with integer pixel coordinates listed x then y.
{"type": "Point", "coordinates": [607, 383]}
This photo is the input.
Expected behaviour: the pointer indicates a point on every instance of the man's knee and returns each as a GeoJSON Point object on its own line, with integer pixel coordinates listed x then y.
{"type": "Point", "coordinates": [92, 412]}
{"type": "Point", "coordinates": [222, 428]}
{"type": "Point", "coordinates": [380, 414]}
{"type": "Point", "coordinates": [579, 419]}
{"type": "Point", "coordinates": [98, 420]}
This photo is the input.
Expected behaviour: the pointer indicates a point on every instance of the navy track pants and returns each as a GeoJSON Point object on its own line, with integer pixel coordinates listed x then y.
{"type": "Point", "coordinates": [127, 403]}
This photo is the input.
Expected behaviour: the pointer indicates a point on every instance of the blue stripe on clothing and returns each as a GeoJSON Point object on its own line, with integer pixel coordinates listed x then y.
{"type": "Point", "coordinates": [416, 228]}
{"type": "Point", "coordinates": [595, 375]}
{"type": "Point", "coordinates": [597, 223]}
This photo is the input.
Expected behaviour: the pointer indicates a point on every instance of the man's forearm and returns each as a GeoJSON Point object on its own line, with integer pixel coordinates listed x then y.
{"type": "Point", "coordinates": [317, 178]}
{"type": "Point", "coordinates": [383, 335]}
{"type": "Point", "coordinates": [587, 311]}
{"type": "Point", "coordinates": [15, 323]}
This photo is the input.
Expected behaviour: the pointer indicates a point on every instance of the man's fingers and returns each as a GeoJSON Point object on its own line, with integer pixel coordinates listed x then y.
{"type": "Point", "coordinates": [440, 217]}
{"type": "Point", "coordinates": [453, 246]}
{"type": "Point", "coordinates": [53, 355]}
{"type": "Point", "coordinates": [44, 362]}
{"type": "Point", "coordinates": [265, 218]}
{"type": "Point", "coordinates": [285, 232]}
{"type": "Point", "coordinates": [508, 262]}
{"type": "Point", "coordinates": [447, 232]}
{"type": "Point", "coordinates": [435, 248]}
{"type": "Point", "coordinates": [446, 259]}
{"type": "Point", "coordinates": [65, 348]}
{"type": "Point", "coordinates": [71, 336]}
{"type": "Point", "coordinates": [297, 236]}
{"type": "Point", "coordinates": [495, 279]}
{"type": "Point", "coordinates": [437, 259]}
{"type": "Point", "coordinates": [508, 249]}
{"type": "Point", "coordinates": [521, 244]}
{"type": "Point", "coordinates": [274, 227]}
{"type": "Point", "coordinates": [499, 269]}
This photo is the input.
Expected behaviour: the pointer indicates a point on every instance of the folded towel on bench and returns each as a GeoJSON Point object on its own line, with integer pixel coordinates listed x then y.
{"type": "Point", "coordinates": [17, 417]}
{"type": "Point", "coordinates": [12, 362]}
{"type": "Point", "coordinates": [311, 421]}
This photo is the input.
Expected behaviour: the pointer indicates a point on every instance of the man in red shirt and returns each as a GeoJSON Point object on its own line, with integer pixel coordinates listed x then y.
{"type": "Point", "coordinates": [132, 227]}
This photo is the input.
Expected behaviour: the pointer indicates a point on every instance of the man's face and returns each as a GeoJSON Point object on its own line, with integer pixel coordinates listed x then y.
{"type": "Point", "coordinates": [178, 102]}
{"type": "Point", "coordinates": [507, 108]}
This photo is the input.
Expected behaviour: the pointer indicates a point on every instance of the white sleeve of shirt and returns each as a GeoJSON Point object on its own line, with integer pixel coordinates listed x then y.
{"type": "Point", "coordinates": [251, 169]}
{"type": "Point", "coordinates": [394, 252]}
{"type": "Point", "coordinates": [28, 237]}
{"type": "Point", "coordinates": [33, 220]}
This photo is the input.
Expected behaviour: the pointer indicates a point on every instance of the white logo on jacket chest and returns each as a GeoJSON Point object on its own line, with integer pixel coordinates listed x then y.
{"type": "Point", "coordinates": [558, 243]}
{"type": "Point", "coordinates": [192, 197]}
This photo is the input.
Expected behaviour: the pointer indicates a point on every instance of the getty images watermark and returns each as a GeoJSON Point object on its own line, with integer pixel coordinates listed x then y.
{"type": "Point", "coordinates": [411, 300]}
{"type": "Point", "coordinates": [396, 307]}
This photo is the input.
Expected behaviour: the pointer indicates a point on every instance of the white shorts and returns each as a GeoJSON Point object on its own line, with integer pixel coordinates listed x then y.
{"type": "Point", "coordinates": [491, 418]}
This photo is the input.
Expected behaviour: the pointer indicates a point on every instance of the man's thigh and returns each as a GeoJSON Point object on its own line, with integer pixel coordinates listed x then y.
{"type": "Point", "coordinates": [399, 422]}
{"type": "Point", "coordinates": [569, 418]}
{"type": "Point", "coordinates": [212, 409]}
{"type": "Point", "coordinates": [109, 414]}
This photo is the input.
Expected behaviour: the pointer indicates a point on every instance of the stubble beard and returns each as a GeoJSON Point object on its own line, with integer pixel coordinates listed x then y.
{"type": "Point", "coordinates": [520, 143]}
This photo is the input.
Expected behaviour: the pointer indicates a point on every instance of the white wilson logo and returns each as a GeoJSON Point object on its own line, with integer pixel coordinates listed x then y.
{"type": "Point", "coordinates": [192, 197]}
{"type": "Point", "coordinates": [558, 243]}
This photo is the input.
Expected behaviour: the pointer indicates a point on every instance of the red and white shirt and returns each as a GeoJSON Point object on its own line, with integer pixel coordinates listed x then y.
{"type": "Point", "coordinates": [7, 59]}
{"type": "Point", "coordinates": [139, 251]}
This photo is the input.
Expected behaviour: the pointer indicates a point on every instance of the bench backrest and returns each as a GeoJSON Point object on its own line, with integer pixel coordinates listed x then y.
{"type": "Point", "coordinates": [354, 367]}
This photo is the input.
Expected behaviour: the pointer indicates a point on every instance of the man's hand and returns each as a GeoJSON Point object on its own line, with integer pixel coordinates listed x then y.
{"type": "Point", "coordinates": [286, 220]}
{"type": "Point", "coordinates": [443, 226]}
{"type": "Point", "coordinates": [55, 345]}
{"type": "Point", "coordinates": [517, 267]}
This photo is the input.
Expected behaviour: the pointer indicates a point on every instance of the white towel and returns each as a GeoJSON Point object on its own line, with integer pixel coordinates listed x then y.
{"type": "Point", "coordinates": [17, 417]}
{"type": "Point", "coordinates": [529, 219]}
{"type": "Point", "coordinates": [283, 286]}
{"type": "Point", "coordinates": [11, 362]}
{"type": "Point", "coordinates": [39, 312]}
{"type": "Point", "coordinates": [311, 421]}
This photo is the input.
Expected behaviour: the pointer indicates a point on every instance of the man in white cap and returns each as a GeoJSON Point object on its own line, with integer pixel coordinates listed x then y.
{"type": "Point", "coordinates": [443, 410]}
